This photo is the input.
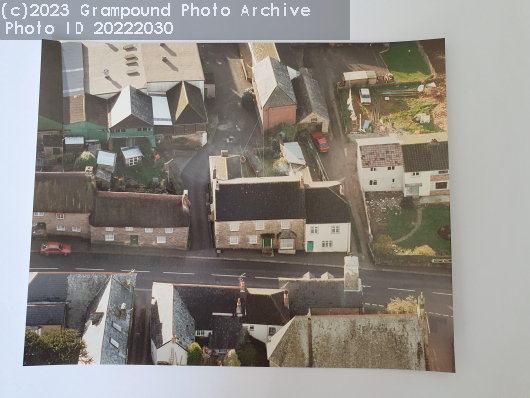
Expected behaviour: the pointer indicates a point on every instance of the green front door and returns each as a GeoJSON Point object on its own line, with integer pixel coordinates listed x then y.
{"type": "Point", "coordinates": [267, 242]}
{"type": "Point", "coordinates": [134, 239]}
{"type": "Point", "coordinates": [310, 246]}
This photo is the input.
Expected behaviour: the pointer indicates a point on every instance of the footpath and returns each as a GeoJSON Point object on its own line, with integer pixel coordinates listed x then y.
{"type": "Point", "coordinates": [329, 260]}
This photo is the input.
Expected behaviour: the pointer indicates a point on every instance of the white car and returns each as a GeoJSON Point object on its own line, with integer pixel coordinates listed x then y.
{"type": "Point", "coordinates": [364, 95]}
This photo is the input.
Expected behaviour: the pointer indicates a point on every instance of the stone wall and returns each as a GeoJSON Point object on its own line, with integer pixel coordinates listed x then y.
{"type": "Point", "coordinates": [178, 239]}
{"type": "Point", "coordinates": [248, 228]}
{"type": "Point", "coordinates": [70, 220]}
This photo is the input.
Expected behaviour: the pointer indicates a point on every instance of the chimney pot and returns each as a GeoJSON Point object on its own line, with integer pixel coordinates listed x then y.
{"type": "Point", "coordinates": [238, 308]}
{"type": "Point", "coordinates": [123, 311]}
{"type": "Point", "coordinates": [185, 201]}
{"type": "Point", "coordinates": [286, 299]}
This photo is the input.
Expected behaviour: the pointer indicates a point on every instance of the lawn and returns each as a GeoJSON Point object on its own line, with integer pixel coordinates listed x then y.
{"type": "Point", "coordinates": [405, 62]}
{"type": "Point", "coordinates": [145, 176]}
{"type": "Point", "coordinates": [400, 223]}
{"type": "Point", "coordinates": [433, 218]}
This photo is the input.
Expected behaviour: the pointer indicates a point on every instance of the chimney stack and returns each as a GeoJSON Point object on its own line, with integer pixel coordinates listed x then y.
{"type": "Point", "coordinates": [238, 308]}
{"type": "Point", "coordinates": [351, 273]}
{"type": "Point", "coordinates": [185, 201]}
{"type": "Point", "coordinates": [301, 181]}
{"type": "Point", "coordinates": [214, 173]}
{"type": "Point", "coordinates": [174, 339]}
{"type": "Point", "coordinates": [341, 189]}
{"type": "Point", "coordinates": [123, 311]}
{"type": "Point", "coordinates": [421, 305]}
{"type": "Point", "coordinates": [286, 299]}
{"type": "Point", "coordinates": [224, 153]}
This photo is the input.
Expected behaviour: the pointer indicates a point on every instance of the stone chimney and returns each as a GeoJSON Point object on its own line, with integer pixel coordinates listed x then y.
{"type": "Point", "coordinates": [301, 181]}
{"type": "Point", "coordinates": [351, 273]}
{"type": "Point", "coordinates": [341, 189]}
{"type": "Point", "coordinates": [123, 311]}
{"type": "Point", "coordinates": [286, 299]}
{"type": "Point", "coordinates": [238, 308]}
{"type": "Point", "coordinates": [185, 201]}
{"type": "Point", "coordinates": [174, 339]}
{"type": "Point", "coordinates": [224, 153]}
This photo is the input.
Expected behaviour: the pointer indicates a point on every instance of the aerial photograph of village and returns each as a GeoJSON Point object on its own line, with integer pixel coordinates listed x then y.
{"type": "Point", "coordinates": [242, 204]}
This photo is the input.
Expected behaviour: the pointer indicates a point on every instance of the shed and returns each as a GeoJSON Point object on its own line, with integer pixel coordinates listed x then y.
{"type": "Point", "coordinates": [106, 161]}
{"type": "Point", "coordinates": [293, 153]}
{"type": "Point", "coordinates": [131, 156]}
{"type": "Point", "coordinates": [363, 78]}
{"type": "Point", "coordinates": [74, 144]}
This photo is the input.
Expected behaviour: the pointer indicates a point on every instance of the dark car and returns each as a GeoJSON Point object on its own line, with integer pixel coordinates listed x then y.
{"type": "Point", "coordinates": [320, 142]}
{"type": "Point", "coordinates": [55, 248]}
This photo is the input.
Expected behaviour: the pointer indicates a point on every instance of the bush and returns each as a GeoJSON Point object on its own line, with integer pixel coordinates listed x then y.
{"type": "Point", "coordinates": [181, 141]}
{"type": "Point", "coordinates": [55, 347]}
{"type": "Point", "coordinates": [159, 164]}
{"type": "Point", "coordinates": [248, 100]}
{"type": "Point", "coordinates": [384, 245]}
{"type": "Point", "coordinates": [402, 306]}
{"type": "Point", "coordinates": [231, 359]}
{"type": "Point", "coordinates": [424, 250]}
{"type": "Point", "coordinates": [85, 159]}
{"type": "Point", "coordinates": [194, 354]}
{"type": "Point", "coordinates": [289, 131]}
{"type": "Point", "coordinates": [407, 203]}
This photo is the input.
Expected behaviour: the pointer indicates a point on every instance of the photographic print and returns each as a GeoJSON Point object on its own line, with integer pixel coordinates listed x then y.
{"type": "Point", "coordinates": [242, 204]}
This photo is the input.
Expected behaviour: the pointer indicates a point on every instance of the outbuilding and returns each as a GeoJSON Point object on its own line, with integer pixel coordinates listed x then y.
{"type": "Point", "coordinates": [131, 156]}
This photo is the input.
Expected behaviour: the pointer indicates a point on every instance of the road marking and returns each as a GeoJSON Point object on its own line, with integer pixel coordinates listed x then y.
{"type": "Point", "coordinates": [366, 286]}
{"type": "Point", "coordinates": [381, 305]}
{"type": "Point", "coordinates": [445, 315]}
{"type": "Point", "coordinates": [91, 269]}
{"type": "Point", "coordinates": [179, 273]}
{"type": "Point", "coordinates": [231, 276]}
{"type": "Point", "coordinates": [132, 270]}
{"type": "Point", "coordinates": [437, 314]}
{"type": "Point", "coordinates": [405, 290]}
{"type": "Point", "coordinates": [265, 277]}
{"type": "Point", "coordinates": [44, 268]}
{"type": "Point", "coordinates": [445, 294]}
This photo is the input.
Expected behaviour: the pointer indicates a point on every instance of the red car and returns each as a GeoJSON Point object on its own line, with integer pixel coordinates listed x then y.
{"type": "Point", "coordinates": [55, 248]}
{"type": "Point", "coordinates": [320, 142]}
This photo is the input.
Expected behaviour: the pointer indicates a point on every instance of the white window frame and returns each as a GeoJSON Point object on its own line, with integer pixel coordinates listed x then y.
{"type": "Point", "coordinates": [234, 240]}
{"type": "Point", "coordinates": [253, 239]}
{"type": "Point", "coordinates": [250, 328]}
{"type": "Point", "coordinates": [285, 224]}
{"type": "Point", "coordinates": [415, 174]}
{"type": "Point", "coordinates": [335, 229]}
{"type": "Point", "coordinates": [199, 333]}
{"type": "Point", "coordinates": [109, 229]}
{"type": "Point", "coordinates": [76, 229]}
{"type": "Point", "coordinates": [129, 229]}
{"type": "Point", "coordinates": [327, 244]}
{"type": "Point", "coordinates": [260, 225]}
{"type": "Point", "coordinates": [283, 243]}
{"type": "Point", "coordinates": [148, 230]}
{"type": "Point", "coordinates": [373, 182]}
{"type": "Point", "coordinates": [373, 168]}
{"type": "Point", "coordinates": [109, 237]}
{"type": "Point", "coordinates": [234, 226]}
{"type": "Point", "coordinates": [169, 230]}
{"type": "Point", "coordinates": [443, 172]}
{"type": "Point", "coordinates": [59, 216]}
{"type": "Point", "coordinates": [314, 230]}
{"type": "Point", "coordinates": [160, 239]}
{"type": "Point", "coordinates": [38, 214]}
{"type": "Point", "coordinates": [61, 228]}
{"type": "Point", "coordinates": [272, 330]}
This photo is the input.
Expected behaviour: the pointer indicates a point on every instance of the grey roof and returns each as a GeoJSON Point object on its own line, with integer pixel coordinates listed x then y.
{"type": "Point", "coordinates": [104, 174]}
{"type": "Point", "coordinates": [130, 108]}
{"type": "Point", "coordinates": [128, 209]}
{"type": "Point", "coordinates": [325, 205]}
{"type": "Point", "coordinates": [324, 292]}
{"type": "Point", "coordinates": [227, 333]}
{"type": "Point", "coordinates": [52, 140]}
{"type": "Point", "coordinates": [354, 341]}
{"type": "Point", "coordinates": [309, 98]}
{"type": "Point", "coordinates": [39, 315]}
{"type": "Point", "coordinates": [51, 86]}
{"type": "Point", "coordinates": [286, 54]}
{"type": "Point", "coordinates": [273, 84]}
{"type": "Point", "coordinates": [72, 68]}
{"type": "Point", "coordinates": [267, 200]}
{"type": "Point", "coordinates": [186, 104]}
{"type": "Point", "coordinates": [63, 193]}
{"type": "Point", "coordinates": [48, 287]}
{"type": "Point", "coordinates": [426, 157]}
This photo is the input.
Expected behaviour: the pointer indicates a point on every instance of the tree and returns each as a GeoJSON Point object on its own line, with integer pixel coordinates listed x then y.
{"type": "Point", "coordinates": [55, 347]}
{"type": "Point", "coordinates": [85, 159]}
{"type": "Point", "coordinates": [145, 147]}
{"type": "Point", "coordinates": [402, 306]}
{"type": "Point", "coordinates": [231, 359]}
{"type": "Point", "coordinates": [248, 355]}
{"type": "Point", "coordinates": [383, 245]}
{"type": "Point", "coordinates": [248, 99]}
{"type": "Point", "coordinates": [289, 131]}
{"type": "Point", "coordinates": [194, 354]}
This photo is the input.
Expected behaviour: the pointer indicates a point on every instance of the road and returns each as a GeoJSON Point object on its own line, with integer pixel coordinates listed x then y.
{"type": "Point", "coordinates": [378, 286]}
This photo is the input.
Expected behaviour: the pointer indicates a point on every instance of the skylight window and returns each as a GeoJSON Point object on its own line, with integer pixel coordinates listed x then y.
{"type": "Point", "coordinates": [114, 343]}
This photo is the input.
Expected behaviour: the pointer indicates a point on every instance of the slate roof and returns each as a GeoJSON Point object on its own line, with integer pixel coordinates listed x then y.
{"type": "Point", "coordinates": [72, 68]}
{"type": "Point", "coordinates": [286, 54]}
{"type": "Point", "coordinates": [309, 98]}
{"type": "Point", "coordinates": [227, 333]}
{"type": "Point", "coordinates": [52, 140]}
{"type": "Point", "coordinates": [38, 315]}
{"type": "Point", "coordinates": [426, 157]}
{"type": "Point", "coordinates": [354, 341]}
{"type": "Point", "coordinates": [48, 287]}
{"type": "Point", "coordinates": [382, 155]}
{"type": "Point", "coordinates": [85, 108]}
{"type": "Point", "coordinates": [227, 167]}
{"type": "Point", "coordinates": [143, 210]}
{"type": "Point", "coordinates": [186, 104]}
{"type": "Point", "coordinates": [51, 81]}
{"type": "Point", "coordinates": [264, 199]}
{"type": "Point", "coordinates": [260, 51]}
{"type": "Point", "coordinates": [63, 193]}
{"type": "Point", "coordinates": [273, 84]}
{"type": "Point", "coordinates": [325, 205]}
{"type": "Point", "coordinates": [130, 108]}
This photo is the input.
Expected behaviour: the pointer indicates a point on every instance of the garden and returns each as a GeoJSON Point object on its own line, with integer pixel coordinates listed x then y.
{"type": "Point", "coordinates": [405, 62]}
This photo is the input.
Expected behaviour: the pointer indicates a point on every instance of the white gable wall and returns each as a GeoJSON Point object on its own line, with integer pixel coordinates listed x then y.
{"type": "Point", "coordinates": [261, 332]}
{"type": "Point", "coordinates": [387, 180]}
{"type": "Point", "coordinates": [341, 241]}
{"type": "Point", "coordinates": [163, 354]}
{"type": "Point", "coordinates": [424, 179]}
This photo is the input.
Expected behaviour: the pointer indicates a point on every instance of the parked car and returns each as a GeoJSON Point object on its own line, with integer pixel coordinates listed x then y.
{"type": "Point", "coordinates": [364, 95]}
{"type": "Point", "coordinates": [320, 142]}
{"type": "Point", "coordinates": [55, 248]}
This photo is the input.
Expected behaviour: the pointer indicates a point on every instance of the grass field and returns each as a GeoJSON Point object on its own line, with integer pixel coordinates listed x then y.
{"type": "Point", "coordinates": [400, 223]}
{"type": "Point", "coordinates": [427, 234]}
{"type": "Point", "coordinates": [405, 61]}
